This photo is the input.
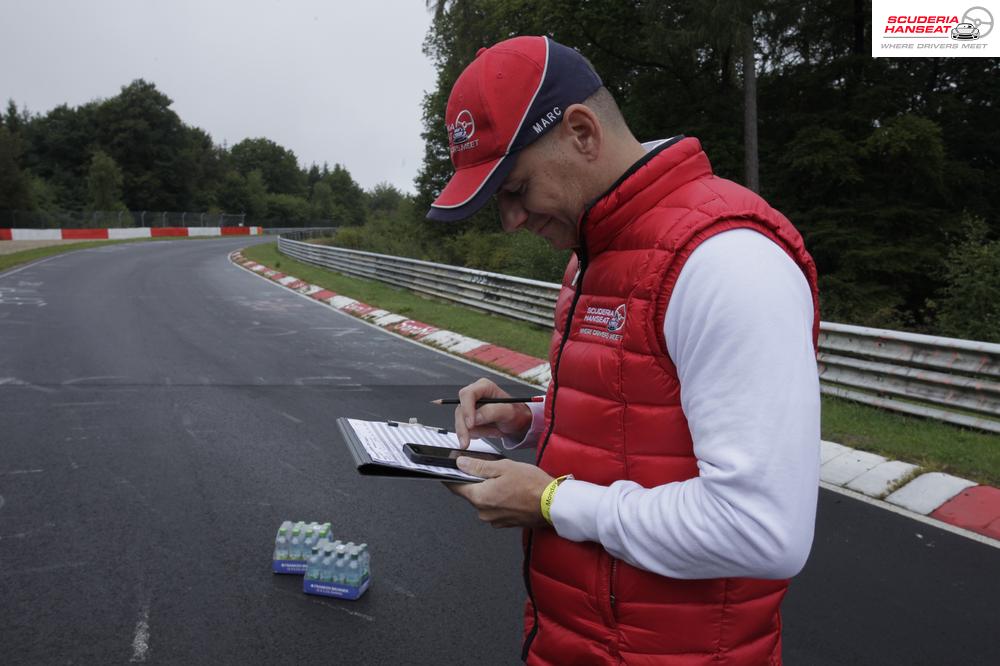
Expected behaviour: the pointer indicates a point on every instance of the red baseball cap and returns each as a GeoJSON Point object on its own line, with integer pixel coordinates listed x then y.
{"type": "Point", "coordinates": [510, 95]}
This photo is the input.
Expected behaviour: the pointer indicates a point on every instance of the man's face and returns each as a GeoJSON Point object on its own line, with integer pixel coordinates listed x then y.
{"type": "Point", "coordinates": [541, 195]}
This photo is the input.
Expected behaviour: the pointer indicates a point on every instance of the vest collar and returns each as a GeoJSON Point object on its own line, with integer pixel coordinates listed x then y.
{"type": "Point", "coordinates": [665, 168]}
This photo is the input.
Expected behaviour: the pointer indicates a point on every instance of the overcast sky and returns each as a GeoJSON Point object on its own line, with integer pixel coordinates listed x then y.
{"type": "Point", "coordinates": [333, 81]}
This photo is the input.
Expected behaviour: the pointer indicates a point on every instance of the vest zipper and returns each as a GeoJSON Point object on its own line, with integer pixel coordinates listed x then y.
{"type": "Point", "coordinates": [611, 585]}
{"type": "Point", "coordinates": [578, 285]}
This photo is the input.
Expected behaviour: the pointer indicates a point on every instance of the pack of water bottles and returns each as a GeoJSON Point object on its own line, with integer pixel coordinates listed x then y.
{"type": "Point", "coordinates": [330, 567]}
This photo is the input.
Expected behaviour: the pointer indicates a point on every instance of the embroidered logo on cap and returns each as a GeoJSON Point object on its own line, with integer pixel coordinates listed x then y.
{"type": "Point", "coordinates": [461, 131]}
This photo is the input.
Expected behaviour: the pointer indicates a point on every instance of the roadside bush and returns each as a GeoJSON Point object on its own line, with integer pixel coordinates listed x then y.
{"type": "Point", "coordinates": [968, 305]}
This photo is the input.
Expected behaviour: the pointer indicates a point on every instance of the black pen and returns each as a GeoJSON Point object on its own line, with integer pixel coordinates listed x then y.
{"type": "Point", "coordinates": [489, 401]}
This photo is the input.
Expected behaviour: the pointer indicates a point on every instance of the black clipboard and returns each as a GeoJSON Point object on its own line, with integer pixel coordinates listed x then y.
{"type": "Point", "coordinates": [367, 465]}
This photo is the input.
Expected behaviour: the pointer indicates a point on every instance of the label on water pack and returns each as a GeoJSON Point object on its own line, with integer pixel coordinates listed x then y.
{"type": "Point", "coordinates": [338, 590]}
{"type": "Point", "coordinates": [289, 566]}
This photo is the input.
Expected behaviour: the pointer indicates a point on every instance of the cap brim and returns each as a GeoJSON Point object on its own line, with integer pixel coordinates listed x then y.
{"type": "Point", "coordinates": [469, 190]}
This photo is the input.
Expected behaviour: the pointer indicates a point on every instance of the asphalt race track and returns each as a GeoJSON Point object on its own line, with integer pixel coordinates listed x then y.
{"type": "Point", "coordinates": [162, 411]}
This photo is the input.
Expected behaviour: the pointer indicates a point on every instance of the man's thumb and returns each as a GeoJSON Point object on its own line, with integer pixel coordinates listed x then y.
{"type": "Point", "coordinates": [476, 467]}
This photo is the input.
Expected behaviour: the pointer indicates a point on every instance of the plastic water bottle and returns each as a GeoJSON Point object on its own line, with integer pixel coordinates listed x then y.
{"type": "Point", "coordinates": [281, 548]}
{"type": "Point", "coordinates": [340, 568]}
{"type": "Point", "coordinates": [324, 531]}
{"type": "Point", "coordinates": [365, 558]}
{"type": "Point", "coordinates": [295, 550]}
{"type": "Point", "coordinates": [326, 565]}
{"type": "Point", "coordinates": [309, 537]}
{"type": "Point", "coordinates": [353, 575]}
{"type": "Point", "coordinates": [315, 562]}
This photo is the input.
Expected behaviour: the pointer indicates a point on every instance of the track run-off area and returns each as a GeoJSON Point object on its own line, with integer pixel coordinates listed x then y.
{"type": "Point", "coordinates": [162, 411]}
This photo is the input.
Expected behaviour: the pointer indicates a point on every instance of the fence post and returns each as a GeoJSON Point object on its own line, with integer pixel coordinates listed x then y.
{"type": "Point", "coordinates": [184, 216]}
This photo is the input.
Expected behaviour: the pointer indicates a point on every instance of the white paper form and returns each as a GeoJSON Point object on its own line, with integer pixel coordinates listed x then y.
{"type": "Point", "coordinates": [384, 443]}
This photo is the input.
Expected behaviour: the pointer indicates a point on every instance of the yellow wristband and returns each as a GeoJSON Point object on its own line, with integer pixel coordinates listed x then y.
{"type": "Point", "coordinates": [549, 494]}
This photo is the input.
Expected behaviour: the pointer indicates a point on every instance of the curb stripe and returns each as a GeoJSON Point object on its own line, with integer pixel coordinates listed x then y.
{"type": "Point", "coordinates": [976, 509]}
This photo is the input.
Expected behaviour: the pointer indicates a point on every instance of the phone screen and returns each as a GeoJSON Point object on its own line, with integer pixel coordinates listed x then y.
{"type": "Point", "coordinates": [442, 456]}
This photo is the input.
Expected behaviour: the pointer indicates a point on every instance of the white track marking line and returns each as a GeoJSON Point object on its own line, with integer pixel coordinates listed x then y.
{"type": "Point", "coordinates": [140, 643]}
{"type": "Point", "coordinates": [14, 381]}
{"type": "Point", "coordinates": [31, 265]}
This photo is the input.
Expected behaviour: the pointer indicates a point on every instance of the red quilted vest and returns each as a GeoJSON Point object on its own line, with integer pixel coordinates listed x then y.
{"type": "Point", "coordinates": [613, 412]}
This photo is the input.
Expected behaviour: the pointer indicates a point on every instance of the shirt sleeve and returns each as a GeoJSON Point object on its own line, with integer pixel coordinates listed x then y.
{"type": "Point", "coordinates": [530, 439]}
{"type": "Point", "coordinates": [739, 331]}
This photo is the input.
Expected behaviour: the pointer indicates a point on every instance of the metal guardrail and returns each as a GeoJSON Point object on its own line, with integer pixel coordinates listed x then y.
{"type": "Point", "coordinates": [947, 379]}
{"type": "Point", "coordinates": [518, 298]}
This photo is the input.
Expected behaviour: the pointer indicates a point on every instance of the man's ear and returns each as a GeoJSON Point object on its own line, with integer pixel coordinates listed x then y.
{"type": "Point", "coordinates": [581, 126]}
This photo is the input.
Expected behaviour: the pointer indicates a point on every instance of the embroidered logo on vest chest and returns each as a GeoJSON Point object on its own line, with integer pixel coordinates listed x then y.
{"type": "Point", "coordinates": [604, 322]}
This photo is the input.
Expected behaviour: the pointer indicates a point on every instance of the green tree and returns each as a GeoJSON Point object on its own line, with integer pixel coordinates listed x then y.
{"type": "Point", "coordinates": [255, 203]}
{"type": "Point", "coordinates": [348, 207]}
{"type": "Point", "coordinates": [288, 210]}
{"type": "Point", "coordinates": [146, 138]}
{"type": "Point", "coordinates": [384, 198]}
{"type": "Point", "coordinates": [231, 193]}
{"type": "Point", "coordinates": [322, 201]}
{"type": "Point", "coordinates": [278, 166]}
{"type": "Point", "coordinates": [59, 148]}
{"type": "Point", "coordinates": [15, 185]}
{"type": "Point", "coordinates": [968, 306]}
{"type": "Point", "coordinates": [104, 183]}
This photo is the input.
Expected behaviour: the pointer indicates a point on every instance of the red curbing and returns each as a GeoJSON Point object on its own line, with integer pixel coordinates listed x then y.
{"type": "Point", "coordinates": [165, 232]}
{"type": "Point", "coordinates": [85, 234]}
{"type": "Point", "coordinates": [235, 231]}
{"type": "Point", "coordinates": [359, 308]}
{"type": "Point", "coordinates": [323, 295]}
{"type": "Point", "coordinates": [976, 509]}
{"type": "Point", "coordinates": [412, 328]}
{"type": "Point", "coordinates": [5, 234]}
{"type": "Point", "coordinates": [501, 357]}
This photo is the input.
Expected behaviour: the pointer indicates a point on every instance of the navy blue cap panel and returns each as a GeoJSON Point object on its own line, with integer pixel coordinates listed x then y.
{"type": "Point", "coordinates": [471, 207]}
{"type": "Point", "coordinates": [568, 80]}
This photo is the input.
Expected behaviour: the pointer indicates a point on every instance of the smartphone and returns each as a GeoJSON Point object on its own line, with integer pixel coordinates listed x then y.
{"type": "Point", "coordinates": [442, 456]}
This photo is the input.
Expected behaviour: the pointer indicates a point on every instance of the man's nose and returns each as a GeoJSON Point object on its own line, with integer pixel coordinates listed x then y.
{"type": "Point", "coordinates": [512, 216]}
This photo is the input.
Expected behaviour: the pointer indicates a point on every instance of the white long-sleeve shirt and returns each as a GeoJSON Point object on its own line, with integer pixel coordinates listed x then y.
{"type": "Point", "coordinates": [739, 331]}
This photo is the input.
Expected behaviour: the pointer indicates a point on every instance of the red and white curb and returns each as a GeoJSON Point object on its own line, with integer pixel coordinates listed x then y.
{"type": "Point", "coordinates": [932, 496]}
{"type": "Point", "coordinates": [125, 233]}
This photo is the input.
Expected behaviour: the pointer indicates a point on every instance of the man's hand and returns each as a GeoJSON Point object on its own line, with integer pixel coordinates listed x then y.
{"type": "Point", "coordinates": [510, 496]}
{"type": "Point", "coordinates": [510, 420]}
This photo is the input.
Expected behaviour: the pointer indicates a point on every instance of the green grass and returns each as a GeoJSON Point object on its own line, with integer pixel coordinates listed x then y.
{"type": "Point", "coordinates": [934, 445]}
{"type": "Point", "coordinates": [520, 336]}
{"type": "Point", "coordinates": [17, 258]}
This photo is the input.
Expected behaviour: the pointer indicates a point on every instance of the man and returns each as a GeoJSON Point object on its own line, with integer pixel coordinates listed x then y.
{"type": "Point", "coordinates": [678, 444]}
